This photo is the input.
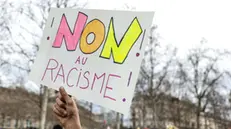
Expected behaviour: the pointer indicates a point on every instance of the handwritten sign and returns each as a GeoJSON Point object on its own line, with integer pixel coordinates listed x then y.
{"type": "Point", "coordinates": [94, 54]}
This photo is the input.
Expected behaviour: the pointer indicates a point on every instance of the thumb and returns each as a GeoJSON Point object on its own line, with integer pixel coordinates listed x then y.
{"type": "Point", "coordinates": [65, 96]}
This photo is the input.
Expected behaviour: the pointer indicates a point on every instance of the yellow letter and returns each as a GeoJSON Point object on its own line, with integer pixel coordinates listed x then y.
{"type": "Point", "coordinates": [121, 50]}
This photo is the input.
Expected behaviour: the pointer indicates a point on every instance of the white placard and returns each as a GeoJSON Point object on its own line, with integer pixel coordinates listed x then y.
{"type": "Point", "coordinates": [94, 54]}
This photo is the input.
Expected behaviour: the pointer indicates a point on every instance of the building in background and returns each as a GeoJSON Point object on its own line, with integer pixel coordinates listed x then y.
{"type": "Point", "coordinates": [21, 109]}
{"type": "Point", "coordinates": [171, 111]}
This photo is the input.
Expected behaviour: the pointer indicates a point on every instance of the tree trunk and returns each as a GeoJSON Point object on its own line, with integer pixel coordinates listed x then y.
{"type": "Point", "coordinates": [3, 120]}
{"type": "Point", "coordinates": [178, 115]}
{"type": "Point", "coordinates": [122, 121]}
{"type": "Point", "coordinates": [133, 118]}
{"type": "Point", "coordinates": [90, 115]}
{"type": "Point", "coordinates": [198, 119]}
{"type": "Point", "coordinates": [44, 108]}
{"type": "Point", "coordinates": [154, 116]}
{"type": "Point", "coordinates": [16, 122]}
{"type": "Point", "coordinates": [206, 126]}
{"type": "Point", "coordinates": [21, 124]}
{"type": "Point", "coordinates": [143, 113]}
{"type": "Point", "coordinates": [198, 113]}
{"type": "Point", "coordinates": [117, 120]}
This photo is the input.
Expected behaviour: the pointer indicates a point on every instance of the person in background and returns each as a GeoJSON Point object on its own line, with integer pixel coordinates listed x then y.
{"type": "Point", "coordinates": [66, 111]}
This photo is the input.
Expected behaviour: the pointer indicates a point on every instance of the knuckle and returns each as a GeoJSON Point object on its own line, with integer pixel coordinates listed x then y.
{"type": "Point", "coordinates": [58, 108]}
{"type": "Point", "coordinates": [60, 103]}
{"type": "Point", "coordinates": [77, 110]}
{"type": "Point", "coordinates": [59, 95]}
{"type": "Point", "coordinates": [57, 100]}
{"type": "Point", "coordinates": [69, 102]}
{"type": "Point", "coordinates": [53, 107]}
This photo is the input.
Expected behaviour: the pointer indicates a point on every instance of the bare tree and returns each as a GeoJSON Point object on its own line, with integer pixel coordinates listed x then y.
{"type": "Point", "coordinates": [9, 63]}
{"type": "Point", "coordinates": [19, 43]}
{"type": "Point", "coordinates": [220, 108]}
{"type": "Point", "coordinates": [201, 75]}
{"type": "Point", "coordinates": [36, 13]}
{"type": "Point", "coordinates": [139, 103]}
{"type": "Point", "coordinates": [155, 71]}
{"type": "Point", "coordinates": [5, 20]}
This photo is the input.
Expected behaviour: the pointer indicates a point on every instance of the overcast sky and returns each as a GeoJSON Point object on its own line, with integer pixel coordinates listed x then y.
{"type": "Point", "coordinates": [183, 22]}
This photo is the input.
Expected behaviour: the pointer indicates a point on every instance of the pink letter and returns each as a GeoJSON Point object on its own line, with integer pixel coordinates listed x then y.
{"type": "Point", "coordinates": [77, 83]}
{"type": "Point", "coordinates": [96, 77]}
{"type": "Point", "coordinates": [68, 76]}
{"type": "Point", "coordinates": [64, 32]}
{"type": "Point", "coordinates": [107, 87]}
{"type": "Point", "coordinates": [83, 60]}
{"type": "Point", "coordinates": [52, 68]}
{"type": "Point", "coordinates": [78, 60]}
{"type": "Point", "coordinates": [82, 87]}
{"type": "Point", "coordinates": [62, 74]}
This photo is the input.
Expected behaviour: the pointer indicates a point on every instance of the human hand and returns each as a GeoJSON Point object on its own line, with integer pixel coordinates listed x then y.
{"type": "Point", "coordinates": [66, 111]}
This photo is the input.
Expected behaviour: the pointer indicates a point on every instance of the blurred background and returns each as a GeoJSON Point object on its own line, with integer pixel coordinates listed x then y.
{"type": "Point", "coordinates": [184, 80]}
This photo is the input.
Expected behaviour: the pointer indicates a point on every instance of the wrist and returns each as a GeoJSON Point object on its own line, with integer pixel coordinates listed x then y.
{"type": "Point", "coordinates": [72, 126]}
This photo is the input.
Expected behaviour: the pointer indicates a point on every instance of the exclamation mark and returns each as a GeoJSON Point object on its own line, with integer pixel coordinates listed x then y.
{"type": "Point", "coordinates": [142, 40]}
{"type": "Point", "coordinates": [129, 78]}
{"type": "Point", "coordinates": [138, 54]}
{"type": "Point", "coordinates": [51, 26]}
{"type": "Point", "coordinates": [52, 21]}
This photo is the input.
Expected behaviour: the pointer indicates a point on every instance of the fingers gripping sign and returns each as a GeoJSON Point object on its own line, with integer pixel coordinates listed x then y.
{"type": "Point", "coordinates": [66, 111]}
{"type": "Point", "coordinates": [64, 96]}
{"type": "Point", "coordinates": [60, 106]}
